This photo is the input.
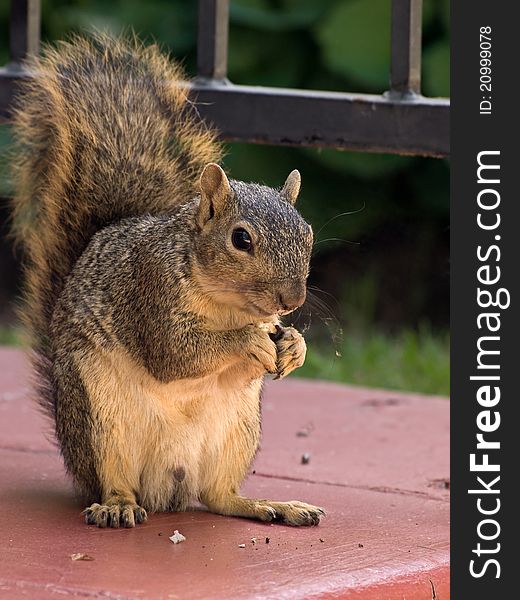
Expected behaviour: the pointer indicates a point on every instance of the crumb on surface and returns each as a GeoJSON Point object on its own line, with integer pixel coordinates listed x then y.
{"type": "Point", "coordinates": [81, 556]}
{"type": "Point", "coordinates": [177, 537]}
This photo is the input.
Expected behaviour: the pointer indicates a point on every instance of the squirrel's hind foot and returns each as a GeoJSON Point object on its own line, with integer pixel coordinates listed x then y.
{"type": "Point", "coordinates": [293, 512]}
{"type": "Point", "coordinates": [114, 514]}
{"type": "Point", "coordinates": [288, 513]}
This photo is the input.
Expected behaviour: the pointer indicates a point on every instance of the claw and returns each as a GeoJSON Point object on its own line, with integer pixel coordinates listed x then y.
{"type": "Point", "coordinates": [114, 515]}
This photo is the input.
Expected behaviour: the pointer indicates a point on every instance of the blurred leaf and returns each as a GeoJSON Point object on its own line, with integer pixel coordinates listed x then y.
{"type": "Point", "coordinates": [254, 4]}
{"type": "Point", "coordinates": [323, 79]}
{"type": "Point", "coordinates": [366, 165]}
{"type": "Point", "coordinates": [170, 22]}
{"type": "Point", "coordinates": [259, 14]}
{"type": "Point", "coordinates": [428, 12]}
{"type": "Point", "coordinates": [446, 14]}
{"type": "Point", "coordinates": [283, 72]}
{"type": "Point", "coordinates": [243, 54]}
{"type": "Point", "coordinates": [355, 41]}
{"type": "Point", "coordinates": [436, 69]}
{"type": "Point", "coordinates": [257, 58]}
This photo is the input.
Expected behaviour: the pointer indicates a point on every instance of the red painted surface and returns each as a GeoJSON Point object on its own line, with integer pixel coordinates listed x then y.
{"type": "Point", "coordinates": [377, 464]}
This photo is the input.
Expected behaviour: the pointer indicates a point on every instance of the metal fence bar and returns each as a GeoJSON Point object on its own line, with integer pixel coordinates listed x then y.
{"type": "Point", "coordinates": [405, 70]}
{"type": "Point", "coordinates": [309, 118]}
{"type": "Point", "coordinates": [401, 121]}
{"type": "Point", "coordinates": [212, 40]}
{"type": "Point", "coordinates": [24, 29]}
{"type": "Point", "coordinates": [326, 119]}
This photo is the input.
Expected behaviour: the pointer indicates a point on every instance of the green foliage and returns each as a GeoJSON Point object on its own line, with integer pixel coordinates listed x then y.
{"type": "Point", "coordinates": [413, 360]}
{"type": "Point", "coordinates": [436, 69]}
{"type": "Point", "coordinates": [172, 21]}
{"type": "Point", "coordinates": [364, 166]}
{"type": "Point", "coordinates": [445, 14]}
{"type": "Point", "coordinates": [355, 41]}
{"type": "Point", "coordinates": [10, 336]}
{"type": "Point", "coordinates": [252, 61]}
{"type": "Point", "coordinates": [354, 37]}
{"type": "Point", "coordinates": [289, 14]}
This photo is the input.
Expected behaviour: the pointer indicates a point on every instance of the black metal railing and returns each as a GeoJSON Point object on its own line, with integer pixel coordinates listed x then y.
{"type": "Point", "coordinates": [399, 121]}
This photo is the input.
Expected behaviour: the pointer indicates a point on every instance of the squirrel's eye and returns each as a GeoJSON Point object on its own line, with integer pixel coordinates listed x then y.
{"type": "Point", "coordinates": [241, 239]}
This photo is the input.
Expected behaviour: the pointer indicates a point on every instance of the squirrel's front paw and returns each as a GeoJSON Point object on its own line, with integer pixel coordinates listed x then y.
{"type": "Point", "coordinates": [261, 349]}
{"type": "Point", "coordinates": [291, 349]}
{"type": "Point", "coordinates": [114, 514]}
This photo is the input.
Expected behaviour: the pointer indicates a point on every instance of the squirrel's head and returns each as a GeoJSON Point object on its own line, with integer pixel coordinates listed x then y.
{"type": "Point", "coordinates": [253, 247]}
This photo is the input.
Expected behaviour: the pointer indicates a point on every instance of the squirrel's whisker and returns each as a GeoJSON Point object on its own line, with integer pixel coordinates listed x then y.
{"type": "Point", "coordinates": [343, 214]}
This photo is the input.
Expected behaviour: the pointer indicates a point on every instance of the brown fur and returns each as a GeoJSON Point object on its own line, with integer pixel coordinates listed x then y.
{"type": "Point", "coordinates": [80, 124]}
{"type": "Point", "coordinates": [94, 131]}
{"type": "Point", "coordinates": [151, 330]}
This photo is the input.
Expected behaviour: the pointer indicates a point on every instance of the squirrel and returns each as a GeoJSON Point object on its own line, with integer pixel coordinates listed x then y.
{"type": "Point", "coordinates": [154, 285]}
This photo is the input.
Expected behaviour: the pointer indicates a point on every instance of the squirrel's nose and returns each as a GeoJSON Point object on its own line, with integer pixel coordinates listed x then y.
{"type": "Point", "coordinates": [292, 298]}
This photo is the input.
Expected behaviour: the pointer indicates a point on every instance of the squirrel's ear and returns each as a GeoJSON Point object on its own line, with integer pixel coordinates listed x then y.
{"type": "Point", "coordinates": [291, 187]}
{"type": "Point", "coordinates": [214, 189]}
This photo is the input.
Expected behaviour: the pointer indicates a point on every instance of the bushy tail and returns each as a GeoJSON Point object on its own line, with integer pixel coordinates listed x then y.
{"type": "Point", "coordinates": [103, 132]}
